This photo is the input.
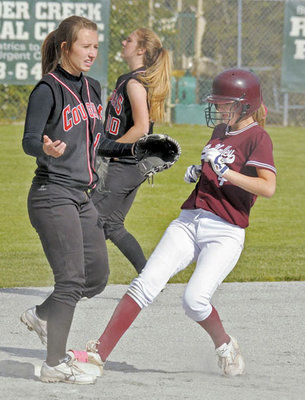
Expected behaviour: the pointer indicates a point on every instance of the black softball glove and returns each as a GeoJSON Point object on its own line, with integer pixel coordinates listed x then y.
{"type": "Point", "coordinates": [155, 153]}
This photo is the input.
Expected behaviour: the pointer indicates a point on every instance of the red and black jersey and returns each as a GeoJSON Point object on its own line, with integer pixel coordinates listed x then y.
{"type": "Point", "coordinates": [76, 119]}
{"type": "Point", "coordinates": [118, 117]}
{"type": "Point", "coordinates": [243, 151]}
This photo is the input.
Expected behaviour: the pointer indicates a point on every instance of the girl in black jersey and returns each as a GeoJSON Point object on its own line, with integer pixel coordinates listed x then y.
{"type": "Point", "coordinates": [64, 131]}
{"type": "Point", "coordinates": [136, 102]}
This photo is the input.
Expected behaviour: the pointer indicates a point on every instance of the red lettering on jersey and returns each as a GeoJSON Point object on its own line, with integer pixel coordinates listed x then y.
{"type": "Point", "coordinates": [95, 114]}
{"type": "Point", "coordinates": [82, 111]}
{"type": "Point", "coordinates": [76, 116]}
{"type": "Point", "coordinates": [67, 122]}
{"type": "Point", "coordinates": [78, 113]}
{"type": "Point", "coordinates": [100, 111]}
{"type": "Point", "coordinates": [90, 110]}
{"type": "Point", "coordinates": [114, 126]}
{"type": "Point", "coordinates": [118, 108]}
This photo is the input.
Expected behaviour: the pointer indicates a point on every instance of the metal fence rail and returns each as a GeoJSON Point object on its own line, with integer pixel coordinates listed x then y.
{"type": "Point", "coordinates": [205, 37]}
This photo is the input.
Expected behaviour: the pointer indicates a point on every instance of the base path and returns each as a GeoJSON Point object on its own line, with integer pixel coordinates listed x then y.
{"type": "Point", "coordinates": [164, 355]}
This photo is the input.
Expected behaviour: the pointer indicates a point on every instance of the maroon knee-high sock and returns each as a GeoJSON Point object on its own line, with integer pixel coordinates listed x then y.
{"type": "Point", "coordinates": [125, 313]}
{"type": "Point", "coordinates": [215, 329]}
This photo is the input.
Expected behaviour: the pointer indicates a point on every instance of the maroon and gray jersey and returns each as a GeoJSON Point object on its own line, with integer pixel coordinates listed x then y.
{"type": "Point", "coordinates": [243, 151]}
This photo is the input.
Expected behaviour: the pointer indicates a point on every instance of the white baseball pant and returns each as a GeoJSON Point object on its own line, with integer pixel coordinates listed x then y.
{"type": "Point", "coordinates": [196, 235]}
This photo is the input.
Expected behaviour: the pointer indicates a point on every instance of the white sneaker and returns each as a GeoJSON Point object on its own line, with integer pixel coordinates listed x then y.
{"type": "Point", "coordinates": [67, 371]}
{"type": "Point", "coordinates": [230, 360]}
{"type": "Point", "coordinates": [89, 365]}
{"type": "Point", "coordinates": [93, 355]}
{"type": "Point", "coordinates": [90, 355]}
{"type": "Point", "coordinates": [34, 323]}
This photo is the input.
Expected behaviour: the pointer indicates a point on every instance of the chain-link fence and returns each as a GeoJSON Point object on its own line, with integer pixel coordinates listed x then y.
{"type": "Point", "coordinates": [204, 37]}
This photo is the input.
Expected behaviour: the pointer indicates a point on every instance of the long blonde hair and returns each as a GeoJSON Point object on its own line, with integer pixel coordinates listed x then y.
{"type": "Point", "coordinates": [66, 32]}
{"type": "Point", "coordinates": [260, 115]}
{"type": "Point", "coordinates": [158, 72]}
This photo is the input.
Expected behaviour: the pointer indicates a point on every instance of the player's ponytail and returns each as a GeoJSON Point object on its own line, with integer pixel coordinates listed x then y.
{"type": "Point", "coordinates": [260, 115]}
{"type": "Point", "coordinates": [50, 53]}
{"type": "Point", "coordinates": [158, 71]}
{"type": "Point", "coordinates": [51, 50]}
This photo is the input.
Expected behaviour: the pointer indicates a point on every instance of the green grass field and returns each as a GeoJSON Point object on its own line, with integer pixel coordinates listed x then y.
{"type": "Point", "coordinates": [274, 248]}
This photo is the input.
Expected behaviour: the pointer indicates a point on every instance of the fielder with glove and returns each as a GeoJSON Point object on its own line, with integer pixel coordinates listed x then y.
{"type": "Point", "coordinates": [136, 103]}
{"type": "Point", "coordinates": [155, 153]}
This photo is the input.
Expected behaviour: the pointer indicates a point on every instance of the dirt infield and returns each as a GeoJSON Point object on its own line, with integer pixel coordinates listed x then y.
{"type": "Point", "coordinates": [164, 355]}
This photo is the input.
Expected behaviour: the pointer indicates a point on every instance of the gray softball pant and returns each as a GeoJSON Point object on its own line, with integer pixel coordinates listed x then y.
{"type": "Point", "coordinates": [66, 222]}
{"type": "Point", "coordinates": [114, 199]}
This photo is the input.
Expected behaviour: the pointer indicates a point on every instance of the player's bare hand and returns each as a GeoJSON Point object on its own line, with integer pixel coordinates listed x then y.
{"type": "Point", "coordinates": [54, 149]}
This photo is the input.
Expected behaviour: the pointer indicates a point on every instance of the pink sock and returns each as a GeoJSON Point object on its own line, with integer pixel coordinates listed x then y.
{"type": "Point", "coordinates": [125, 313]}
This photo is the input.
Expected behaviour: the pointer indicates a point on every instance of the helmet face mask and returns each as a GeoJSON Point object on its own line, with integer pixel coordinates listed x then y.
{"type": "Point", "coordinates": [236, 94]}
{"type": "Point", "coordinates": [225, 113]}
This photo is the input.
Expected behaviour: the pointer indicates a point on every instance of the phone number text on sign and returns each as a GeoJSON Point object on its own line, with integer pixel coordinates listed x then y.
{"type": "Point", "coordinates": [23, 27]}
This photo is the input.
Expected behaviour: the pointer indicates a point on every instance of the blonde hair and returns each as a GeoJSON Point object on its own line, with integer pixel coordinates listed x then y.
{"type": "Point", "coordinates": [66, 32]}
{"type": "Point", "coordinates": [158, 72]}
{"type": "Point", "coordinates": [260, 115]}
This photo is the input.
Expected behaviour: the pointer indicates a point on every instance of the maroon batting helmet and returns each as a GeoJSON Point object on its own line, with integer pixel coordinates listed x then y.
{"type": "Point", "coordinates": [237, 86]}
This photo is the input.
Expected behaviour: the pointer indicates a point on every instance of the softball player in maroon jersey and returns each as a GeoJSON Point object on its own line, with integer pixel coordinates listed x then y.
{"type": "Point", "coordinates": [64, 131]}
{"type": "Point", "coordinates": [237, 166]}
